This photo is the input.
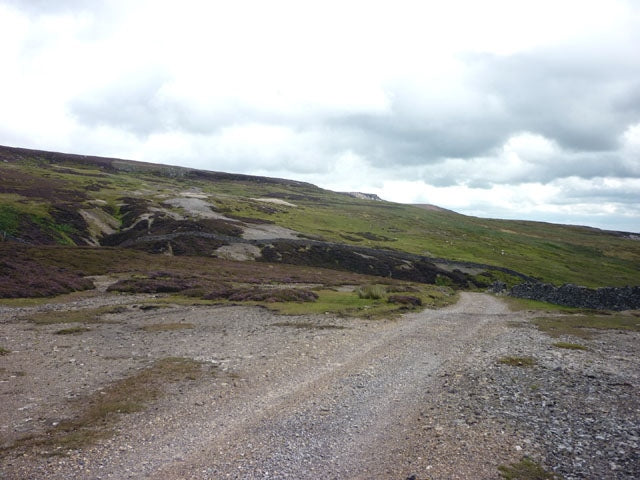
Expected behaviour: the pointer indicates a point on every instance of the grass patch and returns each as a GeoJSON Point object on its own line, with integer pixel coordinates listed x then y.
{"type": "Point", "coordinates": [525, 469]}
{"type": "Point", "coordinates": [4, 351]}
{"type": "Point", "coordinates": [350, 304]}
{"type": "Point", "coordinates": [309, 325]}
{"type": "Point", "coordinates": [100, 410]}
{"type": "Point", "coordinates": [72, 331]}
{"type": "Point", "coordinates": [522, 304]}
{"type": "Point", "coordinates": [583, 326]}
{"type": "Point", "coordinates": [87, 315]}
{"type": "Point", "coordinates": [166, 327]}
{"type": "Point", "coordinates": [515, 361]}
{"type": "Point", "coordinates": [570, 346]}
{"type": "Point", "coordinates": [374, 292]}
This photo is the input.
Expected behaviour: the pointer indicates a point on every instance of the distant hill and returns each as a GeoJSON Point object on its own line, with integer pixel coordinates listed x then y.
{"type": "Point", "coordinates": [49, 198]}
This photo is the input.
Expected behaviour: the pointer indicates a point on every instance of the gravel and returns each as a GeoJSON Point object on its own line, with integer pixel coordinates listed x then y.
{"type": "Point", "coordinates": [421, 396]}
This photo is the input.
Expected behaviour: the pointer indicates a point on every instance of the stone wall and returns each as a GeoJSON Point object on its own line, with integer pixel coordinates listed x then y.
{"type": "Point", "coordinates": [605, 298]}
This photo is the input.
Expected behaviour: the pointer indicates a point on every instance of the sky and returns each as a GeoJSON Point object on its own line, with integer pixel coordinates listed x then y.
{"type": "Point", "coordinates": [499, 108]}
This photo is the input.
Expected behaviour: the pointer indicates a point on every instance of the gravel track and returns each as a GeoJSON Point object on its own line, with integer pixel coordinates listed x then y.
{"type": "Point", "coordinates": [332, 398]}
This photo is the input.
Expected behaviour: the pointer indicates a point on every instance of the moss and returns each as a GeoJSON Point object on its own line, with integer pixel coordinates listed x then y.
{"type": "Point", "coordinates": [72, 331]}
{"type": "Point", "coordinates": [526, 469]}
{"type": "Point", "coordinates": [570, 346]}
{"type": "Point", "coordinates": [516, 361]}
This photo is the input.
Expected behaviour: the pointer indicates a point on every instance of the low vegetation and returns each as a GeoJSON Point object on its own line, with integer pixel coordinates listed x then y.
{"type": "Point", "coordinates": [72, 331]}
{"type": "Point", "coordinates": [526, 469]}
{"type": "Point", "coordinates": [43, 193]}
{"type": "Point", "coordinates": [87, 315]}
{"type": "Point", "coordinates": [585, 326]}
{"type": "Point", "coordinates": [21, 276]}
{"type": "Point", "coordinates": [516, 361]}
{"type": "Point", "coordinates": [4, 351]}
{"type": "Point", "coordinates": [570, 346]}
{"type": "Point", "coordinates": [309, 325]}
{"type": "Point", "coordinates": [373, 292]}
{"type": "Point", "coordinates": [167, 327]}
{"type": "Point", "coordinates": [267, 295]}
{"type": "Point", "coordinates": [98, 412]}
{"type": "Point", "coordinates": [351, 304]}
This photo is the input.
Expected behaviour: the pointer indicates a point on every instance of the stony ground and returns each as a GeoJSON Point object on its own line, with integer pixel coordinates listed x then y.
{"type": "Point", "coordinates": [324, 397]}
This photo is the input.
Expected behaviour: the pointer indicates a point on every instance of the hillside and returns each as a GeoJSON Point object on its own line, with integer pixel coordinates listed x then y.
{"type": "Point", "coordinates": [67, 201]}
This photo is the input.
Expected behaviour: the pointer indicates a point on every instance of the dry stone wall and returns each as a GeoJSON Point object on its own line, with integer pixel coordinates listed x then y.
{"type": "Point", "coordinates": [605, 298]}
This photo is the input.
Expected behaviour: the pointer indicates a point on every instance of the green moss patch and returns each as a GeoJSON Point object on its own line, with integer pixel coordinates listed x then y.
{"type": "Point", "coordinates": [526, 469]}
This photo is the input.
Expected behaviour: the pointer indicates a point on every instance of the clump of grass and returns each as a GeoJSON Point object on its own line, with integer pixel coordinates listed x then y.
{"type": "Point", "coordinates": [525, 469]}
{"type": "Point", "coordinates": [167, 327]}
{"type": "Point", "coordinates": [372, 292]}
{"type": "Point", "coordinates": [4, 351]}
{"type": "Point", "coordinates": [516, 361]}
{"type": "Point", "coordinates": [72, 331]}
{"type": "Point", "coordinates": [87, 315]}
{"type": "Point", "coordinates": [570, 346]}
{"type": "Point", "coordinates": [582, 326]}
{"type": "Point", "coordinates": [100, 410]}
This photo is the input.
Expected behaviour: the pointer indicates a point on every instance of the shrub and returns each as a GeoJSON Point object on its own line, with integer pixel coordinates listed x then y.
{"type": "Point", "coordinates": [25, 277]}
{"type": "Point", "coordinates": [269, 295]}
{"type": "Point", "coordinates": [158, 282]}
{"type": "Point", "coordinates": [373, 292]}
{"type": "Point", "coordinates": [405, 300]}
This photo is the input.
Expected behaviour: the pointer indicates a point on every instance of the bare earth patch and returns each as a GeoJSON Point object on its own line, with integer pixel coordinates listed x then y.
{"type": "Point", "coordinates": [317, 396]}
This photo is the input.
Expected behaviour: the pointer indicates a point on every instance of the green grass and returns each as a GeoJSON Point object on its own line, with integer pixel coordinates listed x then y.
{"type": "Point", "coordinates": [583, 326]}
{"type": "Point", "coordinates": [515, 361]}
{"type": "Point", "coordinates": [373, 292]}
{"type": "Point", "coordinates": [570, 346]}
{"type": "Point", "coordinates": [350, 304]}
{"type": "Point", "coordinates": [523, 304]}
{"type": "Point", "coordinates": [4, 351]}
{"type": "Point", "coordinates": [526, 469]}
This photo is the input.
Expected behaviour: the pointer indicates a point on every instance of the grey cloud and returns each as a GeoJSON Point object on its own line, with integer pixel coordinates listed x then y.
{"type": "Point", "coordinates": [135, 106]}
{"type": "Point", "coordinates": [583, 99]}
{"type": "Point", "coordinates": [580, 99]}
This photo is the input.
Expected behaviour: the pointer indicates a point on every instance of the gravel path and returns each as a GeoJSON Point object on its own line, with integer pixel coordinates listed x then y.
{"type": "Point", "coordinates": [325, 397]}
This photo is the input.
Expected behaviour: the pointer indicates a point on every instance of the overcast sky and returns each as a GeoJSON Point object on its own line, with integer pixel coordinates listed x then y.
{"type": "Point", "coordinates": [508, 109]}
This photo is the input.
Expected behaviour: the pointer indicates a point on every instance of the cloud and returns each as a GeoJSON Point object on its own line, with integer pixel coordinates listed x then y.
{"type": "Point", "coordinates": [507, 109]}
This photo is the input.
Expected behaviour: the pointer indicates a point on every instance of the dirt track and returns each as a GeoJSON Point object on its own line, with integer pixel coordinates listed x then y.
{"type": "Point", "coordinates": [334, 398]}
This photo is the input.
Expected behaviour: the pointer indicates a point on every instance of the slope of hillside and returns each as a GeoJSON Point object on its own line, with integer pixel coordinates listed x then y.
{"type": "Point", "coordinates": [60, 199]}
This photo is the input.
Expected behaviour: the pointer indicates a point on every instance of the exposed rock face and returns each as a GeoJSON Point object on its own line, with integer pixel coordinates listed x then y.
{"type": "Point", "coordinates": [363, 196]}
{"type": "Point", "coordinates": [605, 298]}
